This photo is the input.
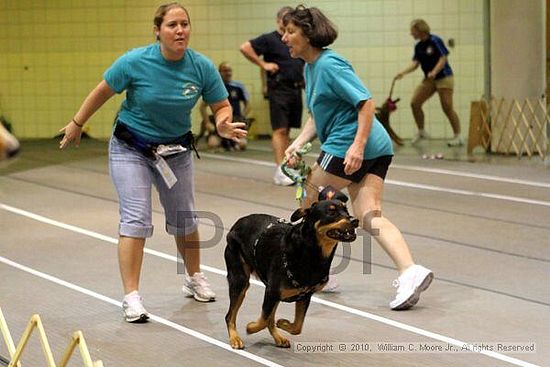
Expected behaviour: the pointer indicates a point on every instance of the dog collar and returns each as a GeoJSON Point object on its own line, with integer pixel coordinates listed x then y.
{"type": "Point", "coordinates": [289, 274]}
{"type": "Point", "coordinates": [291, 277]}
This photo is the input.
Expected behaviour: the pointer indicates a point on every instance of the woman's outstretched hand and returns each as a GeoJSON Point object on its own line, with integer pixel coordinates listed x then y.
{"type": "Point", "coordinates": [72, 133]}
{"type": "Point", "coordinates": [231, 130]}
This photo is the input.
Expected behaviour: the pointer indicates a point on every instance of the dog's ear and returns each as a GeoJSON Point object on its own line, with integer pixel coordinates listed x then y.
{"type": "Point", "coordinates": [330, 193]}
{"type": "Point", "coordinates": [299, 214]}
{"type": "Point", "coordinates": [341, 196]}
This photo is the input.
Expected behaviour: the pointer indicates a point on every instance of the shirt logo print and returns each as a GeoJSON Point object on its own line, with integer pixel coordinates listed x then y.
{"type": "Point", "coordinates": [189, 90]}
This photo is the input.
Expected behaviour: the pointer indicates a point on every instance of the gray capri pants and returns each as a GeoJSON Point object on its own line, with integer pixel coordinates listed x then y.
{"type": "Point", "coordinates": [133, 175]}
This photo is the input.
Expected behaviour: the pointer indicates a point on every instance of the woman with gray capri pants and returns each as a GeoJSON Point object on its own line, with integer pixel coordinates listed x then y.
{"type": "Point", "coordinates": [163, 81]}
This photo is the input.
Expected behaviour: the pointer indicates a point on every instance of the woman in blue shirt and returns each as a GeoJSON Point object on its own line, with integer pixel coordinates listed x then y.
{"type": "Point", "coordinates": [431, 54]}
{"type": "Point", "coordinates": [356, 150]}
{"type": "Point", "coordinates": [152, 144]}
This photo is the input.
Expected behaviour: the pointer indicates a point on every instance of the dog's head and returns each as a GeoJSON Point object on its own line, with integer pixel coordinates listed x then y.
{"type": "Point", "coordinates": [9, 146]}
{"type": "Point", "coordinates": [330, 193]}
{"type": "Point", "coordinates": [330, 217]}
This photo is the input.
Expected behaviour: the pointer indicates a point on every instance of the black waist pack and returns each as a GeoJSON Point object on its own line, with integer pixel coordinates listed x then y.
{"type": "Point", "coordinates": [149, 149]}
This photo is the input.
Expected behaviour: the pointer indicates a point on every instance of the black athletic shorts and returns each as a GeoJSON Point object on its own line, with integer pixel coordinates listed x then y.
{"type": "Point", "coordinates": [285, 107]}
{"type": "Point", "coordinates": [334, 165]}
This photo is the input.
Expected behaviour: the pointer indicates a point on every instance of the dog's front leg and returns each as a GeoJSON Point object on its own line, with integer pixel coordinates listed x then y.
{"type": "Point", "coordinates": [271, 301]}
{"type": "Point", "coordinates": [267, 318]}
{"type": "Point", "coordinates": [280, 340]}
{"type": "Point", "coordinates": [295, 327]}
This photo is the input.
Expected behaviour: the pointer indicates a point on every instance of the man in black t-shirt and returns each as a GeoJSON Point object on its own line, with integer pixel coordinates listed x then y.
{"type": "Point", "coordinates": [284, 88]}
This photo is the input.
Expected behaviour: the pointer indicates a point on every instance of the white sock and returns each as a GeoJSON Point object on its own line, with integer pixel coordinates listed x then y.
{"type": "Point", "coordinates": [131, 295]}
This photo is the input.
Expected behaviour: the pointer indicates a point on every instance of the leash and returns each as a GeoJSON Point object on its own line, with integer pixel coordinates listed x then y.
{"type": "Point", "coordinates": [391, 89]}
{"type": "Point", "coordinates": [300, 172]}
{"type": "Point", "coordinates": [299, 175]}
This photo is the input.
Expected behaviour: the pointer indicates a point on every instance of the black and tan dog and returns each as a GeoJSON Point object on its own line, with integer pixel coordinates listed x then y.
{"type": "Point", "coordinates": [383, 115]}
{"type": "Point", "coordinates": [292, 260]}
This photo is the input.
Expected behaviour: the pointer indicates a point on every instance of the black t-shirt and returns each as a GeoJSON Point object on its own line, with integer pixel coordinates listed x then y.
{"type": "Point", "coordinates": [271, 46]}
{"type": "Point", "coordinates": [428, 52]}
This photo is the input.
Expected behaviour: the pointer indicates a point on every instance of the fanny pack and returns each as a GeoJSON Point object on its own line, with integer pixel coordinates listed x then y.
{"type": "Point", "coordinates": [152, 150]}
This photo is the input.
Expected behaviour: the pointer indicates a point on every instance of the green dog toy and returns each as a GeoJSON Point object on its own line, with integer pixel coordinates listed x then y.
{"type": "Point", "coordinates": [300, 172]}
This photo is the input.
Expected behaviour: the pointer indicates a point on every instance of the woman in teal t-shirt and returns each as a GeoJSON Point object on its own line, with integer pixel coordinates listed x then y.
{"type": "Point", "coordinates": [163, 82]}
{"type": "Point", "coordinates": [356, 151]}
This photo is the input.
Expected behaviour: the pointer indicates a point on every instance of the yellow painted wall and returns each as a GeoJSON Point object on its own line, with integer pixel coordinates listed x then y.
{"type": "Point", "coordinates": [53, 52]}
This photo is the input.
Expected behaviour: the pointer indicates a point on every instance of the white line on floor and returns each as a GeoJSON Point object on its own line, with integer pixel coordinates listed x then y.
{"type": "Point", "coordinates": [257, 162]}
{"type": "Point", "coordinates": [429, 170]}
{"type": "Point", "coordinates": [330, 304]}
{"type": "Point", "coordinates": [489, 195]}
{"type": "Point", "coordinates": [160, 320]}
{"type": "Point", "coordinates": [472, 175]}
{"type": "Point", "coordinates": [409, 184]}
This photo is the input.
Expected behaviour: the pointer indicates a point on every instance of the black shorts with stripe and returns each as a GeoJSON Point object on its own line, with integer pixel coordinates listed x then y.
{"type": "Point", "coordinates": [335, 165]}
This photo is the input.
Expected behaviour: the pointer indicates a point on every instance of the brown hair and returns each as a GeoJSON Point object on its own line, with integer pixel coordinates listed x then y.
{"type": "Point", "coordinates": [421, 26]}
{"type": "Point", "coordinates": [165, 8]}
{"type": "Point", "coordinates": [285, 9]}
{"type": "Point", "coordinates": [320, 31]}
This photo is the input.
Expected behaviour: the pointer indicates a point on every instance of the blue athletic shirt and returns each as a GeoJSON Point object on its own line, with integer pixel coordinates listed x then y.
{"type": "Point", "coordinates": [428, 53]}
{"type": "Point", "coordinates": [160, 94]}
{"type": "Point", "coordinates": [333, 93]}
{"type": "Point", "coordinates": [237, 94]}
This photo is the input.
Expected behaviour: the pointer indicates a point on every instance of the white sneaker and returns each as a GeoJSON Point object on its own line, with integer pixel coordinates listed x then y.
{"type": "Point", "coordinates": [421, 134]}
{"type": "Point", "coordinates": [332, 285]}
{"type": "Point", "coordinates": [280, 179]}
{"type": "Point", "coordinates": [456, 142]}
{"type": "Point", "coordinates": [198, 287]}
{"type": "Point", "coordinates": [410, 284]}
{"type": "Point", "coordinates": [132, 308]}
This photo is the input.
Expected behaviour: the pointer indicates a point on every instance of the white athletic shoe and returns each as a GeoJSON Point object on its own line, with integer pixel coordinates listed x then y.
{"type": "Point", "coordinates": [456, 142]}
{"type": "Point", "coordinates": [198, 287]}
{"type": "Point", "coordinates": [280, 179]}
{"type": "Point", "coordinates": [421, 134]}
{"type": "Point", "coordinates": [332, 285]}
{"type": "Point", "coordinates": [132, 308]}
{"type": "Point", "coordinates": [410, 284]}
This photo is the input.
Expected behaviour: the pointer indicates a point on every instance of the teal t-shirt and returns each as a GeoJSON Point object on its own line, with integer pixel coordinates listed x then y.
{"type": "Point", "coordinates": [160, 94]}
{"type": "Point", "coordinates": [333, 94]}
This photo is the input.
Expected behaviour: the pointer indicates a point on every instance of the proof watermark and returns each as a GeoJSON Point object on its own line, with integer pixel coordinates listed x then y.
{"type": "Point", "coordinates": [413, 347]}
{"type": "Point", "coordinates": [343, 258]}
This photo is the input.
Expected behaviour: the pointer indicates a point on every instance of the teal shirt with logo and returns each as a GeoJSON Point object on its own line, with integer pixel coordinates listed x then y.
{"type": "Point", "coordinates": [160, 94]}
{"type": "Point", "coordinates": [333, 94]}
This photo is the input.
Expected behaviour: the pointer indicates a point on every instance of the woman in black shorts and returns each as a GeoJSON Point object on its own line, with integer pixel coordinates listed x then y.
{"type": "Point", "coordinates": [356, 150]}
